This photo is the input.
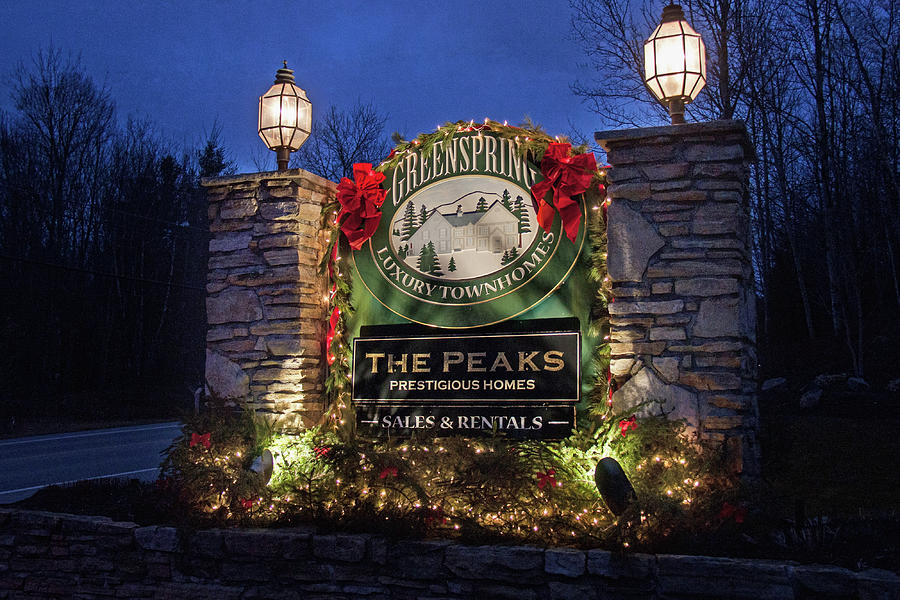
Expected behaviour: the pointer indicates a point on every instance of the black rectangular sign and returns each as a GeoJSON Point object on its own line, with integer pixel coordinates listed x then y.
{"type": "Point", "coordinates": [524, 384]}
{"type": "Point", "coordinates": [533, 367]}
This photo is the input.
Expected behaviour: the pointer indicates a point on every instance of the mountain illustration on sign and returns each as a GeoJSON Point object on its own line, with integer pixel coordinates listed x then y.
{"type": "Point", "coordinates": [472, 235]}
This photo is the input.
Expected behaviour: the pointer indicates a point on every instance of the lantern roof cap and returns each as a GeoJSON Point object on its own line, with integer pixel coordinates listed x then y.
{"type": "Point", "coordinates": [672, 13]}
{"type": "Point", "coordinates": [284, 75]}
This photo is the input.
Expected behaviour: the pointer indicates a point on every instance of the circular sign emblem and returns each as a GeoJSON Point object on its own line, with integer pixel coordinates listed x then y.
{"type": "Point", "coordinates": [458, 245]}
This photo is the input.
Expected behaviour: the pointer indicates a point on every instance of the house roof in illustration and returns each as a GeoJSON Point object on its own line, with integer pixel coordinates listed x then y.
{"type": "Point", "coordinates": [469, 218]}
{"type": "Point", "coordinates": [466, 218]}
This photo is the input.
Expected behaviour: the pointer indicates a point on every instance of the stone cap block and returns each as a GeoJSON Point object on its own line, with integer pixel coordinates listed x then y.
{"type": "Point", "coordinates": [630, 137]}
{"type": "Point", "coordinates": [290, 174]}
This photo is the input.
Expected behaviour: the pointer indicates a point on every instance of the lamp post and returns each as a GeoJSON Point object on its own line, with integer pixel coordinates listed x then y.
{"type": "Point", "coordinates": [674, 62]}
{"type": "Point", "coordinates": [285, 117]}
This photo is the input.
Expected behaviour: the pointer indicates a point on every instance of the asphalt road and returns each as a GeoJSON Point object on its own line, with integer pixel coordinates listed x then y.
{"type": "Point", "coordinates": [30, 463]}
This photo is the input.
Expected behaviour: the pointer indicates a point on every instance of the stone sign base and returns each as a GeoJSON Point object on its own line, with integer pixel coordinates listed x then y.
{"type": "Point", "coordinates": [683, 324]}
{"type": "Point", "coordinates": [265, 305]}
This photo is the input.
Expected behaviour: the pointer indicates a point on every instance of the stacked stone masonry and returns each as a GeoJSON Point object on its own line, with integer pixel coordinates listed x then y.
{"type": "Point", "coordinates": [46, 555]}
{"type": "Point", "coordinates": [683, 318]}
{"type": "Point", "coordinates": [265, 302]}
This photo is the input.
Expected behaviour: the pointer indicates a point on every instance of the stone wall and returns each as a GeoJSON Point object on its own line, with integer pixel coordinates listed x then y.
{"type": "Point", "coordinates": [265, 301]}
{"type": "Point", "coordinates": [683, 319]}
{"type": "Point", "coordinates": [46, 555]}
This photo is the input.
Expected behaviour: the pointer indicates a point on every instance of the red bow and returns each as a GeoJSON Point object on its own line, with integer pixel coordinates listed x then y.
{"type": "Point", "coordinates": [321, 451]}
{"type": "Point", "coordinates": [566, 176]}
{"type": "Point", "coordinates": [360, 203]}
{"type": "Point", "coordinates": [196, 438]}
{"type": "Point", "coordinates": [738, 513]}
{"type": "Point", "coordinates": [332, 326]}
{"type": "Point", "coordinates": [609, 387]}
{"type": "Point", "coordinates": [626, 424]}
{"type": "Point", "coordinates": [246, 504]}
{"type": "Point", "coordinates": [546, 478]}
{"type": "Point", "coordinates": [388, 471]}
{"type": "Point", "coordinates": [435, 514]}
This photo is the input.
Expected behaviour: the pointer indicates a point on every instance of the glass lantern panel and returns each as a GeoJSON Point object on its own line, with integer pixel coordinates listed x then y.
{"type": "Point", "coordinates": [289, 111]}
{"type": "Point", "coordinates": [300, 136]}
{"type": "Point", "coordinates": [269, 111]}
{"type": "Point", "coordinates": [669, 55]}
{"type": "Point", "coordinates": [270, 137]}
{"type": "Point", "coordinates": [691, 87]}
{"type": "Point", "coordinates": [286, 134]}
{"type": "Point", "coordinates": [649, 60]}
{"type": "Point", "coordinates": [692, 54]}
{"type": "Point", "coordinates": [669, 29]}
{"type": "Point", "coordinates": [702, 58]}
{"type": "Point", "coordinates": [304, 116]}
{"type": "Point", "coordinates": [672, 85]}
{"type": "Point", "coordinates": [657, 91]}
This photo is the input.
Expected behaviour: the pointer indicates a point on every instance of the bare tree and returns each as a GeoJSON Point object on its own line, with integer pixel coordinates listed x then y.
{"type": "Point", "coordinates": [69, 120]}
{"type": "Point", "coordinates": [612, 34]}
{"type": "Point", "coordinates": [339, 139]}
{"type": "Point", "coordinates": [103, 239]}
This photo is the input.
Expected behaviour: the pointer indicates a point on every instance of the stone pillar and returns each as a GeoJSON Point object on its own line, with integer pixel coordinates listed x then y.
{"type": "Point", "coordinates": [265, 305]}
{"type": "Point", "coordinates": [683, 325]}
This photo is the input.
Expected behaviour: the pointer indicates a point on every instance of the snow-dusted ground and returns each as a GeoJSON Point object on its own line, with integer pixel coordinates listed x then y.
{"type": "Point", "coordinates": [469, 263]}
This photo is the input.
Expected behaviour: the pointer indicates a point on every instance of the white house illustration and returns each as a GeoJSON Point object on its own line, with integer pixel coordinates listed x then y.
{"type": "Point", "coordinates": [493, 230]}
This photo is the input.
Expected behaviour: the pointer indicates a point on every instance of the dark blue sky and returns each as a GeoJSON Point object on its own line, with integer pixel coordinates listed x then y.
{"type": "Point", "coordinates": [183, 64]}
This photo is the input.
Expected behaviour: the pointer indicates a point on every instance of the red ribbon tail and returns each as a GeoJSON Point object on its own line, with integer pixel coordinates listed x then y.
{"type": "Point", "coordinates": [334, 254]}
{"type": "Point", "coordinates": [570, 213]}
{"type": "Point", "coordinates": [545, 216]}
{"type": "Point", "coordinates": [332, 325]}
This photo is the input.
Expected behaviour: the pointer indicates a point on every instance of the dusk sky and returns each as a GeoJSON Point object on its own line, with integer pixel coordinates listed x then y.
{"type": "Point", "coordinates": [184, 64]}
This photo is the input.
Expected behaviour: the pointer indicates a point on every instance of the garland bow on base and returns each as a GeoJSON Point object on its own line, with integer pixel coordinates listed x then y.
{"type": "Point", "coordinates": [566, 176]}
{"type": "Point", "coordinates": [361, 202]}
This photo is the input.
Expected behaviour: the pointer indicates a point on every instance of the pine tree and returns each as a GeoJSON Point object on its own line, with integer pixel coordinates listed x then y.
{"type": "Point", "coordinates": [505, 258]}
{"type": "Point", "coordinates": [422, 261]}
{"type": "Point", "coordinates": [513, 254]}
{"type": "Point", "coordinates": [505, 201]}
{"type": "Point", "coordinates": [423, 215]}
{"type": "Point", "coordinates": [452, 266]}
{"type": "Point", "coordinates": [430, 263]}
{"type": "Point", "coordinates": [409, 224]}
{"type": "Point", "coordinates": [482, 205]}
{"type": "Point", "coordinates": [522, 215]}
{"type": "Point", "coordinates": [402, 252]}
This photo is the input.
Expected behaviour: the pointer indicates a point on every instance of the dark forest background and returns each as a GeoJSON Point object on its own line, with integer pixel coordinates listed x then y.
{"type": "Point", "coordinates": [818, 84]}
{"type": "Point", "coordinates": [103, 242]}
{"type": "Point", "coordinates": [103, 230]}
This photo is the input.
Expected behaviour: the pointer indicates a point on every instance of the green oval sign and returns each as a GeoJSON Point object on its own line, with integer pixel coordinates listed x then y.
{"type": "Point", "coordinates": [458, 245]}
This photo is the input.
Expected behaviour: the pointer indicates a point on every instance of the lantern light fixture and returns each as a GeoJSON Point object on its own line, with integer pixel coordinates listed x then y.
{"type": "Point", "coordinates": [674, 62]}
{"type": "Point", "coordinates": [285, 117]}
